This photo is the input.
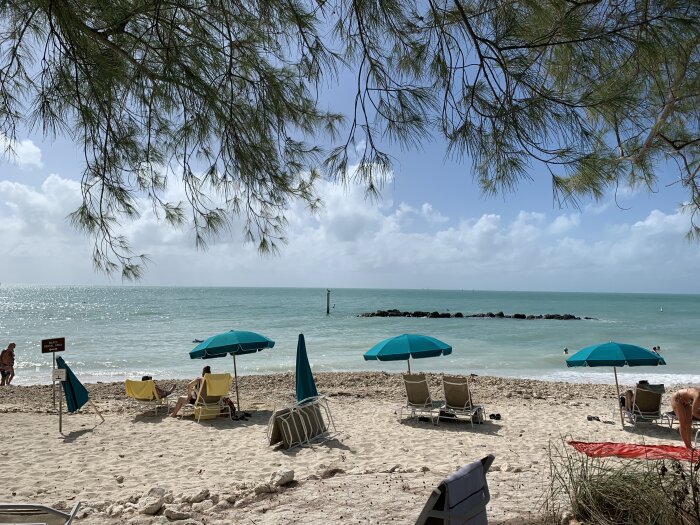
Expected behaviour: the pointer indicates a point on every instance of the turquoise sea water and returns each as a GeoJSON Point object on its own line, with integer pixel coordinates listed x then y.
{"type": "Point", "coordinates": [117, 332]}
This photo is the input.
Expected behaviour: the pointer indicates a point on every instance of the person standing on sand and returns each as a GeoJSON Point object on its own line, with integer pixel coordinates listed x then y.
{"type": "Point", "coordinates": [7, 364]}
{"type": "Point", "coordinates": [686, 405]}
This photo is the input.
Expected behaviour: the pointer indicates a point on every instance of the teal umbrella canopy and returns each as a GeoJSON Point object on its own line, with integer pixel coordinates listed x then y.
{"type": "Point", "coordinates": [305, 385]}
{"type": "Point", "coordinates": [615, 354]}
{"type": "Point", "coordinates": [234, 342]}
{"type": "Point", "coordinates": [404, 346]}
{"type": "Point", "coordinates": [76, 394]}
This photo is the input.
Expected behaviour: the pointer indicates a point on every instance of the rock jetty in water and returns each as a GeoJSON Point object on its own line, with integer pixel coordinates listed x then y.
{"type": "Point", "coordinates": [447, 315]}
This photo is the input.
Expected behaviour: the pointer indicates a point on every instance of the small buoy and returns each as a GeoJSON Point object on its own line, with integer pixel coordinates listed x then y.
{"type": "Point", "coordinates": [661, 309]}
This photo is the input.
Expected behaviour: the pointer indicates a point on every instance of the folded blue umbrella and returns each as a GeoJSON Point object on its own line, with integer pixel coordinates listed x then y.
{"type": "Point", "coordinates": [75, 392]}
{"type": "Point", "coordinates": [305, 385]}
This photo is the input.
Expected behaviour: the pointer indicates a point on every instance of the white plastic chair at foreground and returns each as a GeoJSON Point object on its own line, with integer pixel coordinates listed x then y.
{"type": "Point", "coordinates": [461, 498]}
{"type": "Point", "coordinates": [27, 513]}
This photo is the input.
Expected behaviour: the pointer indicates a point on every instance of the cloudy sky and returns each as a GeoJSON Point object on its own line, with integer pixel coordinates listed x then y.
{"type": "Point", "coordinates": [431, 229]}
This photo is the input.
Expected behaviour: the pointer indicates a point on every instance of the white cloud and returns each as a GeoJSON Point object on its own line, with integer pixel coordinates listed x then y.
{"type": "Point", "coordinates": [24, 153]}
{"type": "Point", "coordinates": [356, 242]}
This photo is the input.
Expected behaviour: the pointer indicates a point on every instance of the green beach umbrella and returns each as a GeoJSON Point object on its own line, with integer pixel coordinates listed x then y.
{"type": "Point", "coordinates": [233, 342]}
{"type": "Point", "coordinates": [403, 347]}
{"type": "Point", "coordinates": [305, 385]}
{"type": "Point", "coordinates": [615, 354]}
{"type": "Point", "coordinates": [75, 392]}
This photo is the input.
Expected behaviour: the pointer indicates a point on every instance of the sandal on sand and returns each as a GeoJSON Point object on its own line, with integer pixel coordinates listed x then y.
{"type": "Point", "coordinates": [495, 416]}
{"type": "Point", "coordinates": [592, 418]}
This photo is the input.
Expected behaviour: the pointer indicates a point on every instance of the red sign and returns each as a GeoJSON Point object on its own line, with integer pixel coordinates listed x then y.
{"type": "Point", "coordinates": [48, 346]}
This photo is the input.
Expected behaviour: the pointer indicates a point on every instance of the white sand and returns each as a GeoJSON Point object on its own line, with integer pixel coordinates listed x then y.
{"type": "Point", "coordinates": [376, 470]}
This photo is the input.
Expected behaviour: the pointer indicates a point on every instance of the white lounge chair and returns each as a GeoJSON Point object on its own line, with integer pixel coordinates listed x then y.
{"type": "Point", "coordinates": [418, 400]}
{"type": "Point", "coordinates": [308, 421]}
{"type": "Point", "coordinates": [646, 408]}
{"type": "Point", "coordinates": [458, 399]}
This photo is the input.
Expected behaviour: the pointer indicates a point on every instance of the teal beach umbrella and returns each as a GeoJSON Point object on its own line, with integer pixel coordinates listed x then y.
{"type": "Point", "coordinates": [233, 342]}
{"type": "Point", "coordinates": [403, 347]}
{"type": "Point", "coordinates": [305, 385]}
{"type": "Point", "coordinates": [615, 354]}
{"type": "Point", "coordinates": [75, 392]}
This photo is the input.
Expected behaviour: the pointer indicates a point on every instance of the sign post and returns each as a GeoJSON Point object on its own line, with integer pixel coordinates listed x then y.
{"type": "Point", "coordinates": [51, 346]}
{"type": "Point", "coordinates": [59, 375]}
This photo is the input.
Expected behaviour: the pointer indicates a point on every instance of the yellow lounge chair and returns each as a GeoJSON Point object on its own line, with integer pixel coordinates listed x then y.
{"type": "Point", "coordinates": [210, 398]}
{"type": "Point", "coordinates": [145, 392]}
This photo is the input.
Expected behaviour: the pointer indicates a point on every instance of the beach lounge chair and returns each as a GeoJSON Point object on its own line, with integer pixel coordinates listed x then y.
{"type": "Point", "coordinates": [30, 514]}
{"type": "Point", "coordinates": [647, 405]}
{"type": "Point", "coordinates": [458, 399]}
{"type": "Point", "coordinates": [461, 498]}
{"type": "Point", "coordinates": [145, 393]}
{"type": "Point", "coordinates": [209, 403]}
{"type": "Point", "coordinates": [306, 422]}
{"type": "Point", "coordinates": [672, 419]}
{"type": "Point", "coordinates": [418, 400]}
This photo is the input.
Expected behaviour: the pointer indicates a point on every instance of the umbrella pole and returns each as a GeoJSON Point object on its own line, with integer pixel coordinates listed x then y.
{"type": "Point", "coordinates": [617, 386]}
{"type": "Point", "coordinates": [235, 374]}
{"type": "Point", "coordinates": [408, 362]}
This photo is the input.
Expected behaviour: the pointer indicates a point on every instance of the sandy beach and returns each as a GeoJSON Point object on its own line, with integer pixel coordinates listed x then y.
{"type": "Point", "coordinates": [375, 470]}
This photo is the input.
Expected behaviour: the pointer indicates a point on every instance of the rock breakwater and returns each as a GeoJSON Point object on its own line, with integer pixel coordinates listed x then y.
{"type": "Point", "coordinates": [496, 315]}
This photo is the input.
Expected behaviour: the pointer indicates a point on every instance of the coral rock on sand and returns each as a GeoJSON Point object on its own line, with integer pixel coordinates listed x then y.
{"type": "Point", "coordinates": [282, 477]}
{"type": "Point", "coordinates": [174, 513]}
{"type": "Point", "coordinates": [198, 497]}
{"type": "Point", "coordinates": [150, 505]}
{"type": "Point", "coordinates": [202, 506]}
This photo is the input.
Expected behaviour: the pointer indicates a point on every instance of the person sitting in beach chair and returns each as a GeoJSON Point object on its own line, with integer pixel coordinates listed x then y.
{"type": "Point", "coordinates": [646, 404]}
{"type": "Point", "coordinates": [161, 391]}
{"type": "Point", "coordinates": [146, 392]}
{"type": "Point", "coordinates": [192, 397]}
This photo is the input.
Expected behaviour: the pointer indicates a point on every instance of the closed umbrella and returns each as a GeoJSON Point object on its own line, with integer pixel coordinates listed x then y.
{"type": "Point", "coordinates": [76, 394]}
{"type": "Point", "coordinates": [615, 354]}
{"type": "Point", "coordinates": [233, 342]}
{"type": "Point", "coordinates": [406, 346]}
{"type": "Point", "coordinates": [305, 385]}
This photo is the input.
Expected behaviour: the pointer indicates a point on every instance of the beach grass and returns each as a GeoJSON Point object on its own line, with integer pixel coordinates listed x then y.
{"type": "Point", "coordinates": [612, 492]}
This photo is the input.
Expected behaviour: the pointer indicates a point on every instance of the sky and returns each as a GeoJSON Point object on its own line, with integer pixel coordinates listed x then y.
{"type": "Point", "coordinates": [430, 229]}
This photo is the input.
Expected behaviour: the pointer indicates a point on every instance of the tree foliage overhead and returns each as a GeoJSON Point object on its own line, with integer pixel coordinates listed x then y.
{"type": "Point", "coordinates": [224, 95]}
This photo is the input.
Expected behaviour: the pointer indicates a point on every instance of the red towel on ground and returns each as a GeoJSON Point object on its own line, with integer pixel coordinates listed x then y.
{"type": "Point", "coordinates": [630, 450]}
